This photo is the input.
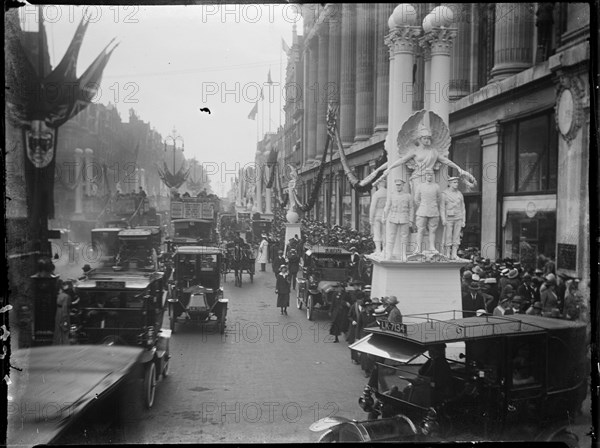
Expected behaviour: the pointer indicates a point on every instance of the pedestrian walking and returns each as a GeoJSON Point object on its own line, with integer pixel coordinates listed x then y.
{"type": "Point", "coordinates": [339, 316]}
{"type": "Point", "coordinates": [62, 322]}
{"type": "Point", "coordinates": [277, 262]}
{"type": "Point", "coordinates": [294, 266]}
{"type": "Point", "coordinates": [263, 253]}
{"type": "Point", "coordinates": [282, 289]}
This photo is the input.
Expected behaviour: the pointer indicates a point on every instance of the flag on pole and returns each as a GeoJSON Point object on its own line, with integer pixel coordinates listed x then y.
{"type": "Point", "coordinates": [269, 80]}
{"type": "Point", "coordinates": [253, 112]}
{"type": "Point", "coordinates": [285, 46]}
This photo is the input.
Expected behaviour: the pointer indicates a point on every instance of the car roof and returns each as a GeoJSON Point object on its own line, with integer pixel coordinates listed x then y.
{"type": "Point", "coordinates": [132, 279]}
{"type": "Point", "coordinates": [431, 330]}
{"type": "Point", "coordinates": [107, 229]}
{"type": "Point", "coordinates": [197, 250]}
{"type": "Point", "coordinates": [192, 220]}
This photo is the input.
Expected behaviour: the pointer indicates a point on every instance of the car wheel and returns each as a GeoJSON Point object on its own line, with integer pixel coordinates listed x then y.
{"type": "Point", "coordinates": [149, 384]}
{"type": "Point", "coordinates": [309, 308]}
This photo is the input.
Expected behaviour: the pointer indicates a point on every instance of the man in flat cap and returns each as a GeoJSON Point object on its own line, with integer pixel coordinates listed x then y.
{"type": "Point", "coordinates": [473, 300]}
{"type": "Point", "coordinates": [427, 202]}
{"type": "Point", "coordinates": [452, 212]}
{"type": "Point", "coordinates": [398, 212]}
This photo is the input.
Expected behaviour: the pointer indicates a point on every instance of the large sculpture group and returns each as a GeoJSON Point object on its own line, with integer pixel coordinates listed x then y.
{"type": "Point", "coordinates": [423, 144]}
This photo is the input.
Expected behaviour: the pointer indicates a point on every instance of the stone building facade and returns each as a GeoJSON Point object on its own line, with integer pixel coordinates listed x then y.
{"type": "Point", "coordinates": [518, 101]}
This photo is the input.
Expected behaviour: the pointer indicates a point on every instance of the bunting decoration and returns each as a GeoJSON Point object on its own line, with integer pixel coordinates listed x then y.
{"type": "Point", "coordinates": [334, 132]}
{"type": "Point", "coordinates": [286, 48]}
{"type": "Point", "coordinates": [173, 180]}
{"type": "Point", "coordinates": [39, 103]}
{"type": "Point", "coordinates": [254, 111]}
{"type": "Point", "coordinates": [272, 165]}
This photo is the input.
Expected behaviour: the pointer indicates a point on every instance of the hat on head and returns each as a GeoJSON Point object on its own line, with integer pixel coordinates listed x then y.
{"type": "Point", "coordinates": [393, 300]}
{"type": "Point", "coordinates": [477, 270]}
{"type": "Point", "coordinates": [474, 286]}
{"type": "Point", "coordinates": [537, 305]}
{"type": "Point", "coordinates": [283, 266]}
{"type": "Point", "coordinates": [538, 272]}
{"type": "Point", "coordinates": [475, 277]}
{"type": "Point", "coordinates": [513, 273]}
{"type": "Point", "coordinates": [467, 275]}
{"type": "Point", "coordinates": [452, 179]}
{"type": "Point", "coordinates": [375, 301]}
{"type": "Point", "coordinates": [490, 281]}
{"type": "Point", "coordinates": [352, 249]}
{"type": "Point", "coordinates": [366, 288]}
{"type": "Point", "coordinates": [517, 299]}
{"type": "Point", "coordinates": [366, 301]}
{"type": "Point", "coordinates": [505, 300]}
{"type": "Point", "coordinates": [550, 279]}
{"type": "Point", "coordinates": [508, 288]}
{"type": "Point", "coordinates": [527, 276]}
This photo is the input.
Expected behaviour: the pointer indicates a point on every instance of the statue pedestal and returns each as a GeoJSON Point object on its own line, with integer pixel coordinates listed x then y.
{"type": "Point", "coordinates": [420, 286]}
{"type": "Point", "coordinates": [291, 229]}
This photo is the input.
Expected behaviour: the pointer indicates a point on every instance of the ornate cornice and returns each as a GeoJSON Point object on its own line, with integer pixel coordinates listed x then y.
{"type": "Point", "coordinates": [402, 39]}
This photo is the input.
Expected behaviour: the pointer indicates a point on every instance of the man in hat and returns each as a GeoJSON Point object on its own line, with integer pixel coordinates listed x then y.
{"type": "Point", "coordinates": [504, 308]}
{"type": "Point", "coordinates": [393, 313]}
{"type": "Point", "coordinates": [548, 295]}
{"type": "Point", "coordinates": [263, 253]}
{"type": "Point", "coordinates": [472, 301]}
{"type": "Point", "coordinates": [574, 305]}
{"type": "Point", "coordinates": [294, 265]}
{"type": "Point", "coordinates": [465, 281]}
{"type": "Point", "coordinates": [526, 289]}
{"type": "Point", "coordinates": [535, 309]}
{"type": "Point", "coordinates": [427, 202]}
{"type": "Point", "coordinates": [398, 213]}
{"type": "Point", "coordinates": [376, 216]}
{"type": "Point", "coordinates": [492, 292]}
{"type": "Point", "coordinates": [452, 212]}
{"type": "Point", "coordinates": [282, 289]}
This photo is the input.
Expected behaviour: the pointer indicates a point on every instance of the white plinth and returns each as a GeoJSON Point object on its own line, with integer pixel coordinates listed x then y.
{"type": "Point", "coordinates": [291, 229]}
{"type": "Point", "coordinates": [421, 287]}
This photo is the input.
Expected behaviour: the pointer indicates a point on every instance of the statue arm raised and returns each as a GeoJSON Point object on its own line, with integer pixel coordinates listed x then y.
{"type": "Point", "coordinates": [446, 161]}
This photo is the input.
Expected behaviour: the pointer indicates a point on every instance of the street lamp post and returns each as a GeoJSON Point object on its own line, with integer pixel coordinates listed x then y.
{"type": "Point", "coordinates": [174, 137]}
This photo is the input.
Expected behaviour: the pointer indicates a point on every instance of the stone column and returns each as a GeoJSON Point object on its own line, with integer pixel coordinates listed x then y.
{"type": "Point", "coordinates": [401, 40]}
{"type": "Point", "coordinates": [321, 91]}
{"type": "Point", "coordinates": [460, 55]}
{"type": "Point", "coordinates": [364, 72]}
{"type": "Point", "coordinates": [440, 41]}
{"type": "Point", "coordinates": [490, 149]}
{"type": "Point", "coordinates": [312, 93]}
{"type": "Point", "coordinates": [88, 171]}
{"type": "Point", "coordinates": [427, 91]}
{"type": "Point", "coordinates": [260, 173]}
{"type": "Point", "coordinates": [347, 93]}
{"type": "Point", "coordinates": [335, 53]}
{"type": "Point", "coordinates": [513, 39]}
{"type": "Point", "coordinates": [382, 65]}
{"type": "Point", "coordinates": [79, 188]}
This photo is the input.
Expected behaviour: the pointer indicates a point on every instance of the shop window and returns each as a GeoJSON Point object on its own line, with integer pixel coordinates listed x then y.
{"type": "Point", "coordinates": [530, 155]}
{"type": "Point", "coordinates": [526, 238]}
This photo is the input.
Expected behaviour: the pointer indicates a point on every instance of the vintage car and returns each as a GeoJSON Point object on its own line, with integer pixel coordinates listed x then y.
{"type": "Point", "coordinates": [196, 295]}
{"type": "Point", "coordinates": [192, 232]}
{"type": "Point", "coordinates": [139, 248]}
{"type": "Point", "coordinates": [324, 273]}
{"type": "Point", "coordinates": [518, 377]}
{"type": "Point", "coordinates": [55, 388]}
{"type": "Point", "coordinates": [125, 307]}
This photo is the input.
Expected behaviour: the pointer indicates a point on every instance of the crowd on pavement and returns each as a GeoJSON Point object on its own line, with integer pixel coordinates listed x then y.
{"type": "Point", "coordinates": [504, 287]}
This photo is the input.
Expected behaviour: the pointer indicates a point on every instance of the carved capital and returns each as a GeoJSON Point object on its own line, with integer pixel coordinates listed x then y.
{"type": "Point", "coordinates": [425, 45]}
{"type": "Point", "coordinates": [570, 96]}
{"type": "Point", "coordinates": [402, 39]}
{"type": "Point", "coordinates": [440, 40]}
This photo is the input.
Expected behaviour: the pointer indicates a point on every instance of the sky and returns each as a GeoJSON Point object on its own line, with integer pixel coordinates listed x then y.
{"type": "Point", "coordinates": [173, 60]}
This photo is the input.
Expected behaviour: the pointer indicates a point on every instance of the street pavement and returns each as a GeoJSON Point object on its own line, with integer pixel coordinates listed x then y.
{"type": "Point", "coordinates": [266, 380]}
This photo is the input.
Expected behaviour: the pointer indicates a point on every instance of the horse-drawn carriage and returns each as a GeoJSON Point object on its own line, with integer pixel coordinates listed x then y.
{"type": "Point", "coordinates": [239, 258]}
{"type": "Point", "coordinates": [196, 292]}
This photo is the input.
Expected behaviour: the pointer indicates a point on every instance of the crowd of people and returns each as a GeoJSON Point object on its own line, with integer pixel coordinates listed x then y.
{"type": "Point", "coordinates": [504, 287]}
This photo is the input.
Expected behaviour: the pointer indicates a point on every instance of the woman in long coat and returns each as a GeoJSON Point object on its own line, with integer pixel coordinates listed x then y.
{"type": "Point", "coordinates": [62, 322]}
{"type": "Point", "coordinates": [282, 289]}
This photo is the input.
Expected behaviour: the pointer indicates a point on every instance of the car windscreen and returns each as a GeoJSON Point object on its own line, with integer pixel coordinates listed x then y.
{"type": "Point", "coordinates": [192, 229]}
{"type": "Point", "coordinates": [193, 264]}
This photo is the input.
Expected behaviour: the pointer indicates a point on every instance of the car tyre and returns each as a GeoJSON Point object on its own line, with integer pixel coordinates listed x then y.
{"type": "Point", "coordinates": [309, 308]}
{"type": "Point", "coordinates": [149, 384]}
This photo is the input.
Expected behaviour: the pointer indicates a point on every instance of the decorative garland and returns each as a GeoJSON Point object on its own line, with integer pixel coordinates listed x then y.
{"type": "Point", "coordinates": [272, 164]}
{"type": "Point", "coordinates": [317, 187]}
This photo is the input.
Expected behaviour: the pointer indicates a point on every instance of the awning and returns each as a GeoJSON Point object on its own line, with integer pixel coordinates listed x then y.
{"type": "Point", "coordinates": [390, 348]}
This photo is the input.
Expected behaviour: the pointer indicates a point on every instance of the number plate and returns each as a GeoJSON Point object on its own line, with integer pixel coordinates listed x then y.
{"type": "Point", "coordinates": [110, 284]}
